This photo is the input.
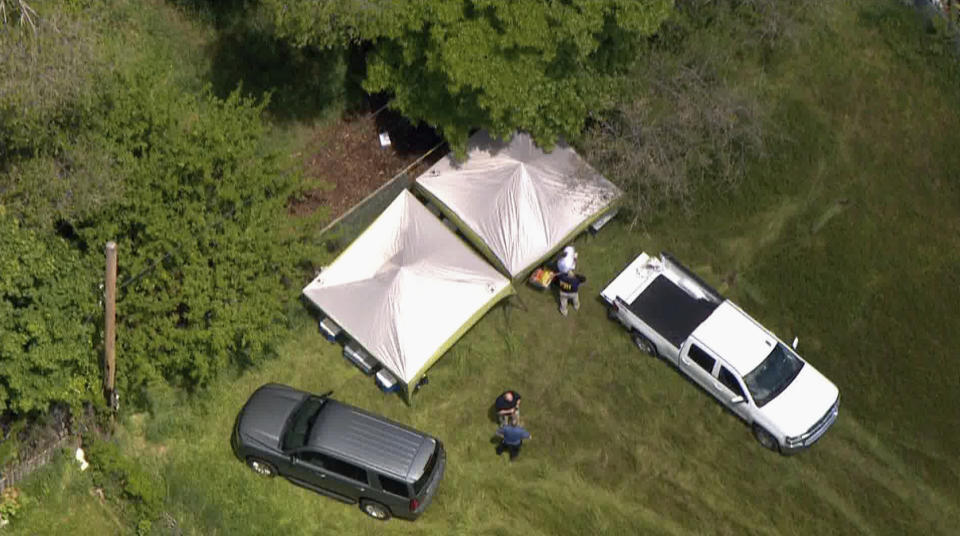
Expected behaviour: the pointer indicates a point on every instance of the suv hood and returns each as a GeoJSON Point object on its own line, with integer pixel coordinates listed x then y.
{"type": "Point", "coordinates": [801, 405]}
{"type": "Point", "coordinates": [266, 413]}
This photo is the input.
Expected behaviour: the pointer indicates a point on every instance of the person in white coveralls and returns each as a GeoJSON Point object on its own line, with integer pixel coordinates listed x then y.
{"type": "Point", "coordinates": [567, 260]}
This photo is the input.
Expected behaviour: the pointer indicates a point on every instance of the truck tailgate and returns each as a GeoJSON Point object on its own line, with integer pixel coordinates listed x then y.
{"type": "Point", "coordinates": [630, 281]}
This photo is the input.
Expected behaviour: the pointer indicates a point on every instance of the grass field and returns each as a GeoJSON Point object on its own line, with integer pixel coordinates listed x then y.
{"type": "Point", "coordinates": [847, 234]}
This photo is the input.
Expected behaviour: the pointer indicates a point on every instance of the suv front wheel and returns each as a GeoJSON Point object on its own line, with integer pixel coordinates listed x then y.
{"type": "Point", "coordinates": [261, 467]}
{"type": "Point", "coordinates": [375, 510]}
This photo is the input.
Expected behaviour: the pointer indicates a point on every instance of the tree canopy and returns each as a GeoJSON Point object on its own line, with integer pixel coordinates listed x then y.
{"type": "Point", "coordinates": [103, 143]}
{"type": "Point", "coordinates": [535, 65]}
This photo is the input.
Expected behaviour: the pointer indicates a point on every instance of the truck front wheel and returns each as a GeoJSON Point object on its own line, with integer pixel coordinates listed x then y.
{"type": "Point", "coordinates": [766, 439]}
{"type": "Point", "coordinates": [643, 343]}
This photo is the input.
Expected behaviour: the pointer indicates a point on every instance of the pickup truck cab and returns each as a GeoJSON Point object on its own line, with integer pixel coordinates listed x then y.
{"type": "Point", "coordinates": [673, 314]}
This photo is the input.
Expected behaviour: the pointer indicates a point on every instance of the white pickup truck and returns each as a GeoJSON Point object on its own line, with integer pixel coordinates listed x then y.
{"type": "Point", "coordinates": [673, 314]}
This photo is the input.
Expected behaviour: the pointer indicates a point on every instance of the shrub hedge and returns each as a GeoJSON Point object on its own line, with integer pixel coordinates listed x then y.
{"type": "Point", "coordinates": [191, 187]}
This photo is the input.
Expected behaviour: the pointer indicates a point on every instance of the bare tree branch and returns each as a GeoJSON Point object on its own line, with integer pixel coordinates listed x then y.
{"type": "Point", "coordinates": [27, 13]}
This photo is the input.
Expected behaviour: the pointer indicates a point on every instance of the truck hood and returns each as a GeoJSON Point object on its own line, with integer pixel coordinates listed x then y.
{"type": "Point", "coordinates": [801, 405]}
{"type": "Point", "coordinates": [266, 413]}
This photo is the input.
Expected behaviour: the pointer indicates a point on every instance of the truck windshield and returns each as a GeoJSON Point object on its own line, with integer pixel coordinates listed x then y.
{"type": "Point", "coordinates": [773, 375]}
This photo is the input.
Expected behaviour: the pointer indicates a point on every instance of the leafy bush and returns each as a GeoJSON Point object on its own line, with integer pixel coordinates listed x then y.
{"type": "Point", "coordinates": [190, 187]}
{"type": "Point", "coordinates": [689, 127]}
{"type": "Point", "coordinates": [46, 336]}
{"type": "Point", "coordinates": [12, 502]}
{"type": "Point", "coordinates": [202, 233]}
{"type": "Point", "coordinates": [686, 119]}
{"type": "Point", "coordinates": [126, 479]}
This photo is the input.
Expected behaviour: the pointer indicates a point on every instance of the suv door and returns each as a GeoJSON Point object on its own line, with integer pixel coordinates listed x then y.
{"type": "Point", "coordinates": [332, 474]}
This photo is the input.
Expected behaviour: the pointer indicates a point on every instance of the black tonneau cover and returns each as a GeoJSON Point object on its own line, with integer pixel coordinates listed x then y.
{"type": "Point", "coordinates": [670, 311]}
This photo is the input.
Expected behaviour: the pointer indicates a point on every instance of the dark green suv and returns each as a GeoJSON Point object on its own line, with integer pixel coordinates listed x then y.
{"type": "Point", "coordinates": [339, 450]}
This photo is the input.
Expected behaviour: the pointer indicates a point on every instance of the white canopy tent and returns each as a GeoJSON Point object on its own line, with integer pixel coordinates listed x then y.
{"type": "Point", "coordinates": [515, 202]}
{"type": "Point", "coordinates": [407, 288]}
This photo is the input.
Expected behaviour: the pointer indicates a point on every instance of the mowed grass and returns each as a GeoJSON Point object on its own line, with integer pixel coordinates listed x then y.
{"type": "Point", "coordinates": [847, 234]}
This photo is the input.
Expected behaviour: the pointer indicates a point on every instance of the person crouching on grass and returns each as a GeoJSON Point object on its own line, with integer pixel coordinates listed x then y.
{"type": "Point", "coordinates": [508, 408]}
{"type": "Point", "coordinates": [569, 285]}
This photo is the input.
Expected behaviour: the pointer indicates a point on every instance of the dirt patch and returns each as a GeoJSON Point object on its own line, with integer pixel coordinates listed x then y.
{"type": "Point", "coordinates": [345, 162]}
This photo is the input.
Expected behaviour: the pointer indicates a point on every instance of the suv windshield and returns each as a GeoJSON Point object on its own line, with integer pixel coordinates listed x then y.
{"type": "Point", "coordinates": [300, 423]}
{"type": "Point", "coordinates": [773, 375]}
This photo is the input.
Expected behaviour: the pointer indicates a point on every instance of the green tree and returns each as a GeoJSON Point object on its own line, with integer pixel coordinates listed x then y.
{"type": "Point", "coordinates": [207, 256]}
{"type": "Point", "coordinates": [536, 65]}
{"type": "Point", "coordinates": [102, 138]}
{"type": "Point", "coordinates": [47, 333]}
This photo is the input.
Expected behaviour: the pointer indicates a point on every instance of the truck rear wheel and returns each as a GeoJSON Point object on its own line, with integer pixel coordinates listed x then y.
{"type": "Point", "coordinates": [644, 344]}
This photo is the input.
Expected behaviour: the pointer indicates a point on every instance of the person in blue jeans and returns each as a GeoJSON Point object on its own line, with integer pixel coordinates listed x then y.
{"type": "Point", "coordinates": [511, 439]}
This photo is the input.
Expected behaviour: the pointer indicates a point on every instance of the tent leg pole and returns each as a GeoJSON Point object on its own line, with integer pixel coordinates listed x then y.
{"type": "Point", "coordinates": [520, 303]}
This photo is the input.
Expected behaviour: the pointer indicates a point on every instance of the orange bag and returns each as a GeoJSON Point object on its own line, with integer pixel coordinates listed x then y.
{"type": "Point", "coordinates": [542, 277]}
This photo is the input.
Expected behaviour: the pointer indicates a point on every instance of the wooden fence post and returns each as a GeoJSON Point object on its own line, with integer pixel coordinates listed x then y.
{"type": "Point", "coordinates": [110, 327]}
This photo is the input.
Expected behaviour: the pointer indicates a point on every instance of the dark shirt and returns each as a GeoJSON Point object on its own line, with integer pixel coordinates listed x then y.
{"type": "Point", "coordinates": [513, 435]}
{"type": "Point", "coordinates": [569, 283]}
{"type": "Point", "coordinates": [503, 404]}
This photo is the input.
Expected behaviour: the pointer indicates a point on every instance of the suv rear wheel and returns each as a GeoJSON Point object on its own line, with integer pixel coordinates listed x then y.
{"type": "Point", "coordinates": [375, 510]}
{"type": "Point", "coordinates": [261, 467]}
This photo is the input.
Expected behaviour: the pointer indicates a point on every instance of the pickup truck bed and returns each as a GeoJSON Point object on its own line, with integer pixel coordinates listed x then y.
{"type": "Point", "coordinates": [669, 310]}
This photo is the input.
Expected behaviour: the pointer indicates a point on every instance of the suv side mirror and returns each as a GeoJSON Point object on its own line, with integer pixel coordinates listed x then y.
{"type": "Point", "coordinates": [796, 340]}
{"type": "Point", "coordinates": [737, 400]}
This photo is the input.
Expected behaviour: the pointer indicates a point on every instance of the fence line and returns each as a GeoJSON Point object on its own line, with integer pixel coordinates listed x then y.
{"type": "Point", "coordinates": [399, 177]}
{"type": "Point", "coordinates": [24, 469]}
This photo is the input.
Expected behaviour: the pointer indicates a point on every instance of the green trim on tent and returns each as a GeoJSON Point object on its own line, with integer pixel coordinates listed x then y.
{"type": "Point", "coordinates": [507, 291]}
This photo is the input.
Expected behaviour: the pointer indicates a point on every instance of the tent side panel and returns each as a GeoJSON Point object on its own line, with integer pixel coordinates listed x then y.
{"type": "Point", "coordinates": [522, 274]}
{"type": "Point", "coordinates": [343, 254]}
{"type": "Point", "coordinates": [328, 312]}
{"type": "Point", "coordinates": [475, 240]}
{"type": "Point", "coordinates": [507, 291]}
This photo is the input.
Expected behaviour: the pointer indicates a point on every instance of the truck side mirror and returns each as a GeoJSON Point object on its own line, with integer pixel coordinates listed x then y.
{"type": "Point", "coordinates": [796, 340]}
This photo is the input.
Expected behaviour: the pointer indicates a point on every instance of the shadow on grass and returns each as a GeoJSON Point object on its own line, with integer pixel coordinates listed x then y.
{"type": "Point", "coordinates": [407, 138]}
{"type": "Point", "coordinates": [492, 415]}
{"type": "Point", "coordinates": [304, 83]}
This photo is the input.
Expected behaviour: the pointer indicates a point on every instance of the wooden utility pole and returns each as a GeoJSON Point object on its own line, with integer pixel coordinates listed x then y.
{"type": "Point", "coordinates": [110, 325]}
